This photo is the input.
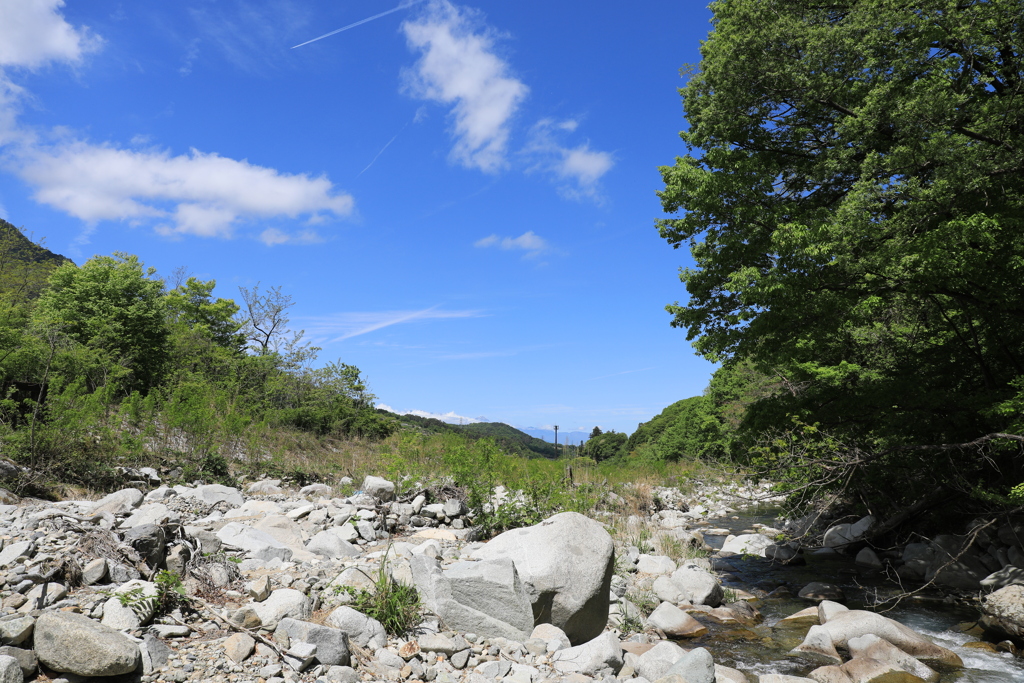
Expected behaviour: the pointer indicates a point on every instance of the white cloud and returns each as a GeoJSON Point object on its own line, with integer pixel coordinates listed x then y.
{"type": "Point", "coordinates": [528, 241]}
{"type": "Point", "coordinates": [201, 194]}
{"type": "Point", "coordinates": [198, 193]}
{"type": "Point", "coordinates": [272, 237]}
{"type": "Point", "coordinates": [33, 33]}
{"type": "Point", "coordinates": [341, 326]}
{"type": "Point", "coordinates": [450, 417]}
{"type": "Point", "coordinates": [578, 168]}
{"type": "Point", "coordinates": [458, 66]}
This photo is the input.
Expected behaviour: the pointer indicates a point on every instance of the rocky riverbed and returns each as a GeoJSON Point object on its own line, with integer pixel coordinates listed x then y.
{"type": "Point", "coordinates": [269, 574]}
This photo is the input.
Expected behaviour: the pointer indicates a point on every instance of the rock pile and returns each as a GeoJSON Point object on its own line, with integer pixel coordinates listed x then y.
{"type": "Point", "coordinates": [270, 575]}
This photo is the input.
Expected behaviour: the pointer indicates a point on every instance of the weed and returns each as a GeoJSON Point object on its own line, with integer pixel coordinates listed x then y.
{"type": "Point", "coordinates": [645, 601]}
{"type": "Point", "coordinates": [395, 605]}
{"type": "Point", "coordinates": [678, 549]}
{"type": "Point", "coordinates": [630, 623]}
{"type": "Point", "coordinates": [729, 596]}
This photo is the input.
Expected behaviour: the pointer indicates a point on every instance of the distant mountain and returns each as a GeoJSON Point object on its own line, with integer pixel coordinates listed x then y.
{"type": "Point", "coordinates": [510, 439]}
{"type": "Point", "coordinates": [549, 435]}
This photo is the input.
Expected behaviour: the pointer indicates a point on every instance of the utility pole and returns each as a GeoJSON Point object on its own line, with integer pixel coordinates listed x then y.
{"type": "Point", "coordinates": [556, 441]}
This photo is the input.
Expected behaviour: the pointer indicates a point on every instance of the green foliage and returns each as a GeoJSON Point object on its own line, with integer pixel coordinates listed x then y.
{"type": "Point", "coordinates": [687, 429]}
{"type": "Point", "coordinates": [113, 307]}
{"type": "Point", "coordinates": [605, 446]}
{"type": "Point", "coordinates": [394, 604]}
{"type": "Point", "coordinates": [510, 439]}
{"type": "Point", "coordinates": [853, 204]}
{"type": "Point", "coordinates": [107, 368]}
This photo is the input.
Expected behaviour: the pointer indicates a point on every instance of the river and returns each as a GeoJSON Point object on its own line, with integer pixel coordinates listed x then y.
{"type": "Point", "coordinates": [763, 649]}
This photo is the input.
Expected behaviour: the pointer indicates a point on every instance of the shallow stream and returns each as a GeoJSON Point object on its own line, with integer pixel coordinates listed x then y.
{"type": "Point", "coordinates": [763, 649]}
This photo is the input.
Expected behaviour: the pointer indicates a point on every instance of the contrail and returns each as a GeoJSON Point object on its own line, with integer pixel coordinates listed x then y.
{"type": "Point", "coordinates": [359, 23]}
{"type": "Point", "coordinates": [382, 150]}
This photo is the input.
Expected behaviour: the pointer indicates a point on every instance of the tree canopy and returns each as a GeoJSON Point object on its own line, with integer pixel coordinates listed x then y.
{"type": "Point", "coordinates": [853, 197]}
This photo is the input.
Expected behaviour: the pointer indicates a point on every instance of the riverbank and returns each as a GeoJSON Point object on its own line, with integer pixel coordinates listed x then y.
{"type": "Point", "coordinates": [270, 576]}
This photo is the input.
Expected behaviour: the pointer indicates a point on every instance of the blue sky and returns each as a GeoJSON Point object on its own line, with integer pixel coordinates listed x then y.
{"type": "Point", "coordinates": [460, 198]}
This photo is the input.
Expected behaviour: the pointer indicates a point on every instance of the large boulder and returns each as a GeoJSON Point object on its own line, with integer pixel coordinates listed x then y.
{"type": "Point", "coordinates": [119, 502]}
{"type": "Point", "coordinates": [747, 544]}
{"type": "Point", "coordinates": [566, 564]}
{"type": "Point", "coordinates": [333, 544]}
{"type": "Point", "coordinates": [258, 544]}
{"type": "Point", "coordinates": [287, 532]}
{"type": "Point", "coordinates": [331, 643]}
{"type": "Point", "coordinates": [675, 622]}
{"type": "Point", "coordinates": [847, 625]}
{"type": "Point", "coordinates": [149, 541]}
{"type": "Point", "coordinates": [362, 630]}
{"type": "Point", "coordinates": [689, 584]}
{"type": "Point", "coordinates": [486, 597]}
{"type": "Point", "coordinates": [283, 603]}
{"type": "Point", "coordinates": [696, 666]}
{"type": "Point", "coordinates": [872, 647]}
{"type": "Point", "coordinates": [211, 494]}
{"type": "Point", "coordinates": [74, 643]}
{"type": "Point", "coordinates": [379, 488]}
{"type": "Point", "coordinates": [656, 662]}
{"type": "Point", "coordinates": [1003, 611]}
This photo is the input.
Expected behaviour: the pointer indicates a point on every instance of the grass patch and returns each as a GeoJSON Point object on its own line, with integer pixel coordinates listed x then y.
{"type": "Point", "coordinates": [394, 604]}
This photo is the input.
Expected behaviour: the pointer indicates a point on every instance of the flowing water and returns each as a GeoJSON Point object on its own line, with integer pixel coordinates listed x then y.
{"type": "Point", "coordinates": [763, 648]}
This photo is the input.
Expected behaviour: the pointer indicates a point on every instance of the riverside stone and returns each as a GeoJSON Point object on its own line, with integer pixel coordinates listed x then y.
{"type": "Point", "coordinates": [141, 605]}
{"type": "Point", "coordinates": [829, 674]}
{"type": "Point", "coordinates": [802, 619]}
{"type": "Point", "coordinates": [817, 590]}
{"type": "Point", "coordinates": [747, 544]}
{"type": "Point", "coordinates": [73, 643]}
{"type": "Point", "coordinates": [696, 666]}
{"type": "Point", "coordinates": [361, 629]}
{"type": "Point", "coordinates": [655, 564]}
{"type": "Point", "coordinates": [817, 647]}
{"type": "Point", "coordinates": [850, 624]}
{"type": "Point", "coordinates": [94, 572]}
{"type": "Point", "coordinates": [590, 657]}
{"type": "Point", "coordinates": [239, 646]}
{"type": "Point", "coordinates": [282, 603]}
{"type": "Point", "coordinates": [675, 622]}
{"type": "Point", "coordinates": [14, 551]}
{"type": "Point", "coordinates": [379, 488]}
{"type": "Point", "coordinates": [17, 630]}
{"type": "Point", "coordinates": [864, 670]}
{"type": "Point", "coordinates": [698, 586]}
{"type": "Point", "coordinates": [1003, 610]}
{"type": "Point", "coordinates": [566, 565]}
{"type": "Point", "coordinates": [331, 643]}
{"type": "Point", "coordinates": [333, 543]}
{"type": "Point", "coordinates": [26, 659]}
{"type": "Point", "coordinates": [656, 662]}
{"type": "Point", "coordinates": [258, 544]}
{"type": "Point", "coordinates": [871, 646]}
{"type": "Point", "coordinates": [485, 597]}
{"type": "Point", "coordinates": [118, 502]}
{"type": "Point", "coordinates": [10, 670]}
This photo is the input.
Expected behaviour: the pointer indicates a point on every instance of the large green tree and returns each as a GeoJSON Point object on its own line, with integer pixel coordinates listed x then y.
{"type": "Point", "coordinates": [115, 307]}
{"type": "Point", "coordinates": [853, 198]}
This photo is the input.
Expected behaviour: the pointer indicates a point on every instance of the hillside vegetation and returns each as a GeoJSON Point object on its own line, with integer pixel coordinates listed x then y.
{"type": "Point", "coordinates": [106, 365]}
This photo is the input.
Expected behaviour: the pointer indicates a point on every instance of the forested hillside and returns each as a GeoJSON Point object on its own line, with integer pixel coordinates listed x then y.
{"type": "Point", "coordinates": [107, 365]}
{"type": "Point", "coordinates": [509, 439]}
